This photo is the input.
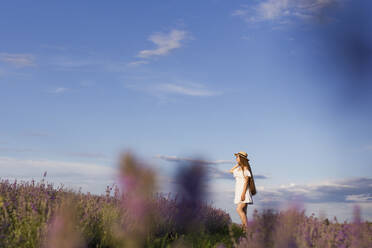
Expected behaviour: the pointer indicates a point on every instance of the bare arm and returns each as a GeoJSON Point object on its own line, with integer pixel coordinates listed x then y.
{"type": "Point", "coordinates": [231, 170]}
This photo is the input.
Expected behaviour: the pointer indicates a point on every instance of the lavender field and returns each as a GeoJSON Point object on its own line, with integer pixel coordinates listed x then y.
{"type": "Point", "coordinates": [36, 214]}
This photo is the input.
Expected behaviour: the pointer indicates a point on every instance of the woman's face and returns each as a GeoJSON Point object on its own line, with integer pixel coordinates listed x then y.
{"type": "Point", "coordinates": [238, 159]}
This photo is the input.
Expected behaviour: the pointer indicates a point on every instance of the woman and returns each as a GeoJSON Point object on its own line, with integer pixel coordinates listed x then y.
{"type": "Point", "coordinates": [243, 196]}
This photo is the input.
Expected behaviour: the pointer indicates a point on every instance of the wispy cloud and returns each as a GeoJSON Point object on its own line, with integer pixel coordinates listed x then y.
{"type": "Point", "coordinates": [198, 90]}
{"type": "Point", "coordinates": [182, 159]}
{"type": "Point", "coordinates": [73, 63]}
{"type": "Point", "coordinates": [164, 43]}
{"type": "Point", "coordinates": [359, 198]}
{"type": "Point", "coordinates": [342, 191]}
{"type": "Point", "coordinates": [59, 90]}
{"type": "Point", "coordinates": [186, 89]}
{"type": "Point", "coordinates": [88, 176]}
{"type": "Point", "coordinates": [16, 150]}
{"type": "Point", "coordinates": [18, 60]}
{"type": "Point", "coordinates": [335, 197]}
{"type": "Point", "coordinates": [283, 10]}
{"type": "Point", "coordinates": [87, 154]}
{"type": "Point", "coordinates": [137, 63]}
{"type": "Point", "coordinates": [328, 198]}
{"type": "Point", "coordinates": [89, 63]}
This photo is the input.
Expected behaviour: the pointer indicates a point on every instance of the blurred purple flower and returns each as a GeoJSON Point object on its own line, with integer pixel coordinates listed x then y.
{"type": "Point", "coordinates": [138, 184]}
{"type": "Point", "coordinates": [191, 184]}
{"type": "Point", "coordinates": [62, 230]}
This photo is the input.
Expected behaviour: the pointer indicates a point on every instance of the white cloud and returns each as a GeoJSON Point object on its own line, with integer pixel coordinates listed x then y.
{"type": "Point", "coordinates": [84, 63]}
{"type": "Point", "coordinates": [335, 197]}
{"type": "Point", "coordinates": [71, 63]}
{"type": "Point", "coordinates": [181, 159]}
{"type": "Point", "coordinates": [90, 63]}
{"type": "Point", "coordinates": [342, 191]}
{"type": "Point", "coordinates": [88, 154]}
{"type": "Point", "coordinates": [273, 8]}
{"type": "Point", "coordinates": [282, 10]}
{"type": "Point", "coordinates": [19, 60]}
{"type": "Point", "coordinates": [164, 43]}
{"type": "Point", "coordinates": [17, 150]}
{"type": "Point", "coordinates": [359, 198]}
{"type": "Point", "coordinates": [59, 90]}
{"type": "Point", "coordinates": [91, 177]}
{"type": "Point", "coordinates": [187, 89]}
{"type": "Point", "coordinates": [138, 62]}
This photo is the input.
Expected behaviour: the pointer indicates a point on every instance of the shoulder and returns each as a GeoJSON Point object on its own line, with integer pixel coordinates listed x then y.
{"type": "Point", "coordinates": [247, 173]}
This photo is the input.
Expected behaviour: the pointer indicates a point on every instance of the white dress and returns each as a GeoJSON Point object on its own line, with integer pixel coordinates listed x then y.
{"type": "Point", "coordinates": [239, 186]}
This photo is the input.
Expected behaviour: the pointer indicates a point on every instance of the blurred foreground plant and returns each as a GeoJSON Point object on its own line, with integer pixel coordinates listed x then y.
{"type": "Point", "coordinates": [191, 190]}
{"type": "Point", "coordinates": [63, 230]}
{"type": "Point", "coordinates": [292, 228]}
{"type": "Point", "coordinates": [138, 202]}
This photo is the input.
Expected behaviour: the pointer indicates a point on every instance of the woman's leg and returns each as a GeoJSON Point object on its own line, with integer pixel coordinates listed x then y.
{"type": "Point", "coordinates": [241, 209]}
{"type": "Point", "coordinates": [245, 213]}
{"type": "Point", "coordinates": [245, 209]}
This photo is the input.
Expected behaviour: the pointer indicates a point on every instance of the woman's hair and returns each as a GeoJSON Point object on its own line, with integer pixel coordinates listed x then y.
{"type": "Point", "coordinates": [244, 163]}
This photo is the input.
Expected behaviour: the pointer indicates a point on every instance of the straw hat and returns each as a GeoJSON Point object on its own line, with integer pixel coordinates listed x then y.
{"type": "Point", "coordinates": [242, 154]}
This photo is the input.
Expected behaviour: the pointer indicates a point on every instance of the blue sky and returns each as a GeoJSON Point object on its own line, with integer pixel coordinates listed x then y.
{"type": "Point", "coordinates": [281, 80]}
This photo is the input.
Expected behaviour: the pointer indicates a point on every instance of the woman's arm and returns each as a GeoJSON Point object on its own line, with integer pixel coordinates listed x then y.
{"type": "Point", "coordinates": [231, 170]}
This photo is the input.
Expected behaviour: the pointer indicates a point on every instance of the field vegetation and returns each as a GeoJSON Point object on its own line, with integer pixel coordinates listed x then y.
{"type": "Point", "coordinates": [132, 214]}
